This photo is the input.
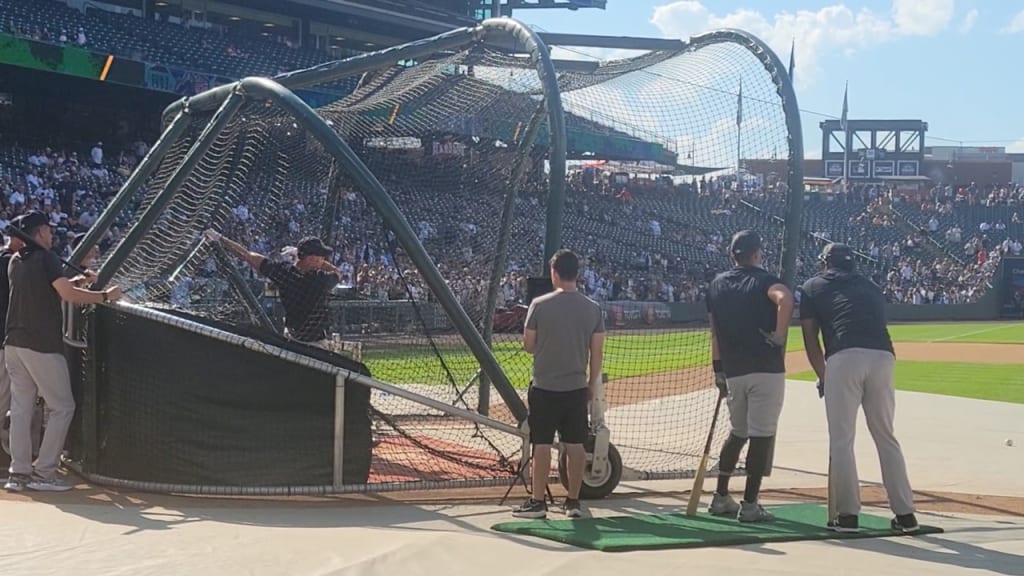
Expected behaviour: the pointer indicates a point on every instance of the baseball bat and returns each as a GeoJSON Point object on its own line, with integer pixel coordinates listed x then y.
{"type": "Point", "coordinates": [21, 235]}
{"type": "Point", "coordinates": [698, 481]}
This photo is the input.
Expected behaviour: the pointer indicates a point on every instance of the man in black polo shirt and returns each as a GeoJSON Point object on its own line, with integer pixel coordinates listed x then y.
{"type": "Point", "coordinates": [34, 349]}
{"type": "Point", "coordinates": [749, 311]}
{"type": "Point", "coordinates": [856, 370]}
{"type": "Point", "coordinates": [304, 286]}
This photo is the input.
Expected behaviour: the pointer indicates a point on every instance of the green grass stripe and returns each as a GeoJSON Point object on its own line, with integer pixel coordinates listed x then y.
{"type": "Point", "coordinates": [997, 382]}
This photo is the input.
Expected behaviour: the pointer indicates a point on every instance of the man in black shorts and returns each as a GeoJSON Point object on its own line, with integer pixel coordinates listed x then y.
{"type": "Point", "coordinates": [857, 371]}
{"type": "Point", "coordinates": [749, 310]}
{"type": "Point", "coordinates": [565, 333]}
{"type": "Point", "coordinates": [304, 286]}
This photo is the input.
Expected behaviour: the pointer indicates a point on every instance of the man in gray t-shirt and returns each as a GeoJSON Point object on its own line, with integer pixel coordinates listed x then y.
{"type": "Point", "coordinates": [565, 333]}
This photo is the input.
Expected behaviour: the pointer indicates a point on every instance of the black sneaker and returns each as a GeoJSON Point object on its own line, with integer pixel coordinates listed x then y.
{"type": "Point", "coordinates": [847, 523]}
{"type": "Point", "coordinates": [534, 509]}
{"type": "Point", "coordinates": [572, 508]}
{"type": "Point", "coordinates": [906, 523]}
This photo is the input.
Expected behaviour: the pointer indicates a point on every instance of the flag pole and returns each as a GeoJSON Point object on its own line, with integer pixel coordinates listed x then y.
{"type": "Point", "coordinates": [846, 142]}
{"type": "Point", "coordinates": [739, 129]}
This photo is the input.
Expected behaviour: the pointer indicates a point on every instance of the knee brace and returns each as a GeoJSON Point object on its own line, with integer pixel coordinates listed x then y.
{"type": "Point", "coordinates": [730, 454]}
{"type": "Point", "coordinates": [760, 456]}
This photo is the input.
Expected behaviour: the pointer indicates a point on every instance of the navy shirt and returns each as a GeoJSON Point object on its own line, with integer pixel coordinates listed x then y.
{"type": "Point", "coordinates": [304, 297]}
{"type": "Point", "coordinates": [739, 306]}
{"type": "Point", "coordinates": [850, 309]}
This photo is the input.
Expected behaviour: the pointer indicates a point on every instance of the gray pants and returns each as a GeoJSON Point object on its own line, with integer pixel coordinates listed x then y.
{"type": "Point", "coordinates": [755, 404]}
{"type": "Point", "coordinates": [5, 412]}
{"type": "Point", "coordinates": [34, 374]}
{"type": "Point", "coordinates": [861, 377]}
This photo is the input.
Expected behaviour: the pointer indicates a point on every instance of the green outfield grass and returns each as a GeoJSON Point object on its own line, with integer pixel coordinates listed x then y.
{"type": "Point", "coordinates": [638, 354]}
{"type": "Point", "coordinates": [999, 382]}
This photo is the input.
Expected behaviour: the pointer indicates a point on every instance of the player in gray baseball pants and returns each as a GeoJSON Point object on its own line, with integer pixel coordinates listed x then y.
{"type": "Point", "coordinates": [856, 370]}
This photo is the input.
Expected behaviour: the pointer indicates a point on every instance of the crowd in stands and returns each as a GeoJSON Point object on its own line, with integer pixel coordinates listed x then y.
{"type": "Point", "coordinates": [188, 44]}
{"type": "Point", "coordinates": [649, 240]}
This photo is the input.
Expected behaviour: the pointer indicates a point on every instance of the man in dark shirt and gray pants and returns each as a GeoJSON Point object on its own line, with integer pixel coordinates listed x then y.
{"type": "Point", "coordinates": [35, 359]}
{"type": "Point", "coordinates": [856, 370]}
{"type": "Point", "coordinates": [749, 310]}
{"type": "Point", "coordinates": [565, 333]}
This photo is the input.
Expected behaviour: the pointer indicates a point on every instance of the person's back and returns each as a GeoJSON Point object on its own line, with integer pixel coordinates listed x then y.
{"type": "Point", "coordinates": [34, 315]}
{"type": "Point", "coordinates": [851, 310]}
{"type": "Point", "coordinates": [738, 301]}
{"type": "Point", "coordinates": [565, 322]}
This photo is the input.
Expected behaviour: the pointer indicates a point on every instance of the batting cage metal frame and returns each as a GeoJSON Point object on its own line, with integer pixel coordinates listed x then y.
{"type": "Point", "coordinates": [245, 410]}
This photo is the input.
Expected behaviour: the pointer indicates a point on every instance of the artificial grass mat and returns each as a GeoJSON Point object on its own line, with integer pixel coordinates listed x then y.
{"type": "Point", "coordinates": [660, 531]}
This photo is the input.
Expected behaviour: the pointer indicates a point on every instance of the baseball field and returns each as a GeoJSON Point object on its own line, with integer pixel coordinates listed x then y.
{"type": "Point", "coordinates": [974, 360]}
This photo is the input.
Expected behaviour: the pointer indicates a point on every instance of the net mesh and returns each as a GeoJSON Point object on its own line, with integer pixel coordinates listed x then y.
{"type": "Point", "coordinates": [663, 235]}
{"type": "Point", "coordinates": [448, 139]}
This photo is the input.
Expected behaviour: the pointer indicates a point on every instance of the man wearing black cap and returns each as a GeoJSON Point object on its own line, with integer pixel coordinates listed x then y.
{"type": "Point", "coordinates": [749, 310]}
{"type": "Point", "coordinates": [304, 286]}
{"type": "Point", "coordinates": [34, 353]}
{"type": "Point", "coordinates": [855, 370]}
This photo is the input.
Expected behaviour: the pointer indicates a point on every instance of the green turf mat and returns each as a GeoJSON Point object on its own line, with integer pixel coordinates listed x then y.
{"type": "Point", "coordinates": [660, 531]}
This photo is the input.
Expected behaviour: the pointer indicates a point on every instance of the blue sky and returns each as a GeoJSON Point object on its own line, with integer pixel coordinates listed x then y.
{"type": "Point", "coordinates": [951, 63]}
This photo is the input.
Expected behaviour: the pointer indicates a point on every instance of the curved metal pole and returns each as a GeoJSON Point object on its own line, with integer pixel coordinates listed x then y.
{"type": "Point", "coordinates": [541, 57]}
{"type": "Point", "coordinates": [137, 179]}
{"type": "Point", "coordinates": [784, 85]}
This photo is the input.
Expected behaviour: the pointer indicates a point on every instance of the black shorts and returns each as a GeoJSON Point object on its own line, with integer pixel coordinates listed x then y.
{"type": "Point", "coordinates": [564, 412]}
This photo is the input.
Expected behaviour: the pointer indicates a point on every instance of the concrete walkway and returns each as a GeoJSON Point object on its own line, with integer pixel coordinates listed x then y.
{"type": "Point", "coordinates": [951, 444]}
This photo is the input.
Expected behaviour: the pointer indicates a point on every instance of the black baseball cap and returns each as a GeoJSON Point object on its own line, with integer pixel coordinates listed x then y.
{"type": "Point", "coordinates": [30, 221]}
{"type": "Point", "coordinates": [745, 242]}
{"type": "Point", "coordinates": [836, 254]}
{"type": "Point", "coordinates": [313, 247]}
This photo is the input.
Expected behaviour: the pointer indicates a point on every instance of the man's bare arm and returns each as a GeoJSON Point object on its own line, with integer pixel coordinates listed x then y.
{"type": "Point", "coordinates": [812, 346]}
{"type": "Point", "coordinates": [253, 259]}
{"type": "Point", "coordinates": [596, 358]}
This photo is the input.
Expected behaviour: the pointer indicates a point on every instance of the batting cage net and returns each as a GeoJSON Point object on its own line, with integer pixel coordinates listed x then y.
{"type": "Point", "coordinates": [702, 135]}
{"type": "Point", "coordinates": [350, 286]}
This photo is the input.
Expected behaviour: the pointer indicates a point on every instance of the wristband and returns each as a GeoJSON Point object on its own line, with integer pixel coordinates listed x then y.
{"type": "Point", "coordinates": [716, 365]}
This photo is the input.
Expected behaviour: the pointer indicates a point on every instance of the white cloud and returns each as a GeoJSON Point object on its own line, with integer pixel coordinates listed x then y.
{"type": "Point", "coordinates": [1017, 147]}
{"type": "Point", "coordinates": [1016, 25]}
{"type": "Point", "coordinates": [969, 20]}
{"type": "Point", "coordinates": [922, 17]}
{"type": "Point", "coordinates": [832, 28]}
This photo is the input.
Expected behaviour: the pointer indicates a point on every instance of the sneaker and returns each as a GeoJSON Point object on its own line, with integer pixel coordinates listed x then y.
{"type": "Point", "coordinates": [724, 506]}
{"type": "Point", "coordinates": [906, 523]}
{"type": "Point", "coordinates": [847, 523]}
{"type": "Point", "coordinates": [49, 485]}
{"type": "Point", "coordinates": [535, 509]}
{"type": "Point", "coordinates": [16, 483]}
{"type": "Point", "coordinates": [571, 508]}
{"type": "Point", "coordinates": [754, 512]}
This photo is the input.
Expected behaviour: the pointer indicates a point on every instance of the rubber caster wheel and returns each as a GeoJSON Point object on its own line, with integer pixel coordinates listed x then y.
{"type": "Point", "coordinates": [594, 487]}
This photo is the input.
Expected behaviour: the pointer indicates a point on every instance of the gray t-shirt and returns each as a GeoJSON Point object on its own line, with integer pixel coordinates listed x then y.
{"type": "Point", "coordinates": [564, 322]}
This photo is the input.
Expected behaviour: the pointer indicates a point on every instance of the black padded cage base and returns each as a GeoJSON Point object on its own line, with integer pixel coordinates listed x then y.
{"type": "Point", "coordinates": [168, 405]}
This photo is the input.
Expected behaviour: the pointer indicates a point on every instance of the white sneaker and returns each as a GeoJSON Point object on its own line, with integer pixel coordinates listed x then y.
{"type": "Point", "coordinates": [54, 485]}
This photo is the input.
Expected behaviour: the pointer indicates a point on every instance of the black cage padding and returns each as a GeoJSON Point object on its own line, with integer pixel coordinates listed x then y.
{"type": "Point", "coordinates": [174, 406]}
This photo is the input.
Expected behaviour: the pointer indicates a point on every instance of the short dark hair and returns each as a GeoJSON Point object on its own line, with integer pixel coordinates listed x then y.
{"type": "Point", "coordinates": [566, 263]}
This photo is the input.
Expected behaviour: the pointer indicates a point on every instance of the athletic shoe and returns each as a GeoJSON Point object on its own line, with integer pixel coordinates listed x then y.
{"type": "Point", "coordinates": [754, 512]}
{"type": "Point", "coordinates": [51, 485]}
{"type": "Point", "coordinates": [723, 506]}
{"type": "Point", "coordinates": [847, 523]}
{"type": "Point", "coordinates": [572, 508]}
{"type": "Point", "coordinates": [535, 509]}
{"type": "Point", "coordinates": [16, 483]}
{"type": "Point", "coordinates": [906, 523]}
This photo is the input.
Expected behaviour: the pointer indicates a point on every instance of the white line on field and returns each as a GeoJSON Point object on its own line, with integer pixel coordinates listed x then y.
{"type": "Point", "coordinates": [986, 330]}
